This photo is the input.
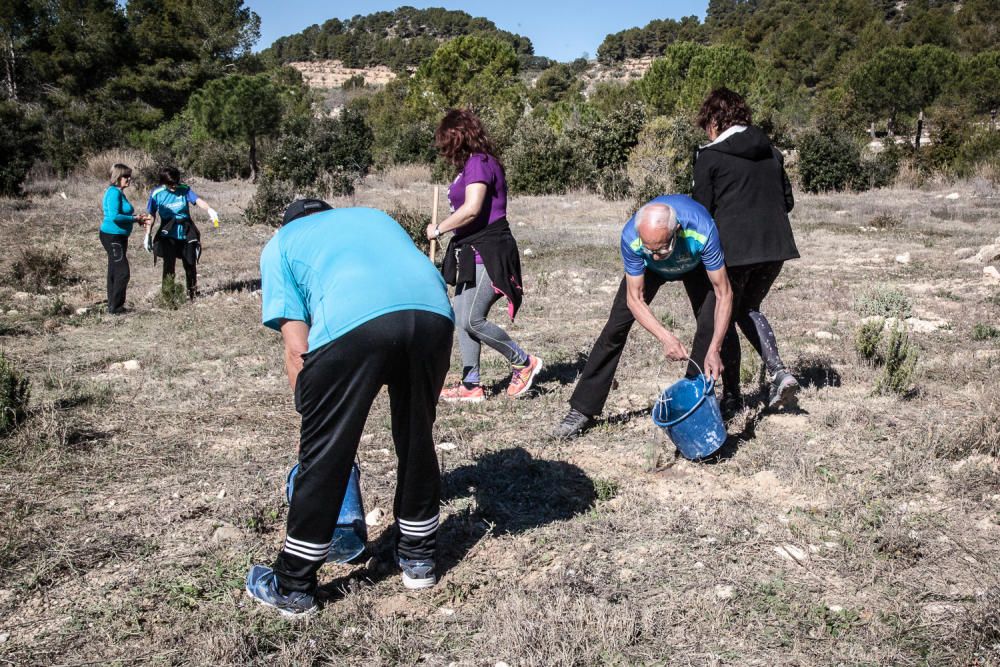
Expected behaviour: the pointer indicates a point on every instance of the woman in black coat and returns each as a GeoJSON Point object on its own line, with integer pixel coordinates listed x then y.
{"type": "Point", "coordinates": [740, 178]}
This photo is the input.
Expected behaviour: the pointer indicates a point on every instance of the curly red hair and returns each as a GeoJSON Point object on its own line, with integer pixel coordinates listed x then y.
{"type": "Point", "coordinates": [459, 135]}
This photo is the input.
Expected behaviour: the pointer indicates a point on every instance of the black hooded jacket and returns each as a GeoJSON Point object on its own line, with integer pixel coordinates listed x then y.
{"type": "Point", "coordinates": [742, 182]}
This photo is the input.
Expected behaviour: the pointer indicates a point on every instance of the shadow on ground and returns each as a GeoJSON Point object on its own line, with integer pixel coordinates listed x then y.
{"type": "Point", "coordinates": [513, 492]}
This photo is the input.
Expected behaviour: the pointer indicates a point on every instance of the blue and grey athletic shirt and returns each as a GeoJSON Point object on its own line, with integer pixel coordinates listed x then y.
{"type": "Point", "coordinates": [698, 242]}
{"type": "Point", "coordinates": [172, 207]}
{"type": "Point", "coordinates": [119, 216]}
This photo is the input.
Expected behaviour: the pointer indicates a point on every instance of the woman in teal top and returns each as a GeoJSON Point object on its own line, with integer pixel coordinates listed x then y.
{"type": "Point", "coordinates": [119, 217]}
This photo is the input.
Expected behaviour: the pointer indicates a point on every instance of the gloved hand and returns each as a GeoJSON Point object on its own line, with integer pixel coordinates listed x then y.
{"type": "Point", "coordinates": [213, 216]}
{"type": "Point", "coordinates": [147, 243]}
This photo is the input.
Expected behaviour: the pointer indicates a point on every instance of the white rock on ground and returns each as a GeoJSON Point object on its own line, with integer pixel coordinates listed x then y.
{"type": "Point", "coordinates": [724, 592]}
{"type": "Point", "coordinates": [131, 365]}
{"type": "Point", "coordinates": [918, 325]}
{"type": "Point", "coordinates": [826, 335]}
{"type": "Point", "coordinates": [962, 253]}
{"type": "Point", "coordinates": [446, 446]}
{"type": "Point", "coordinates": [82, 311]}
{"type": "Point", "coordinates": [953, 195]}
{"type": "Point", "coordinates": [988, 253]}
{"type": "Point", "coordinates": [991, 274]}
{"type": "Point", "coordinates": [375, 517]}
{"type": "Point", "coordinates": [903, 259]}
{"type": "Point", "coordinates": [226, 533]}
{"type": "Point", "coordinates": [792, 553]}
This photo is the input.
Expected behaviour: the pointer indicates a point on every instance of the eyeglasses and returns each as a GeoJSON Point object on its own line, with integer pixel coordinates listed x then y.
{"type": "Point", "coordinates": [664, 250]}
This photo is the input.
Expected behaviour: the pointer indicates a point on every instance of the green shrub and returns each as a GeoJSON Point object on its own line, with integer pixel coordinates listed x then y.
{"type": "Point", "coordinates": [885, 221]}
{"type": "Point", "coordinates": [18, 145]}
{"type": "Point", "coordinates": [880, 301]}
{"type": "Point", "coordinates": [642, 194]}
{"type": "Point", "coordinates": [900, 359]}
{"type": "Point", "coordinates": [269, 202]}
{"type": "Point", "coordinates": [173, 294]}
{"type": "Point", "coordinates": [327, 154]}
{"type": "Point", "coordinates": [34, 270]}
{"type": "Point", "coordinates": [183, 142]}
{"type": "Point", "coordinates": [613, 183]}
{"type": "Point", "coordinates": [540, 162]}
{"type": "Point", "coordinates": [828, 162]}
{"type": "Point", "coordinates": [881, 170]}
{"type": "Point", "coordinates": [14, 393]}
{"type": "Point", "coordinates": [985, 332]}
{"type": "Point", "coordinates": [415, 223]}
{"type": "Point", "coordinates": [663, 154]}
{"type": "Point", "coordinates": [868, 342]}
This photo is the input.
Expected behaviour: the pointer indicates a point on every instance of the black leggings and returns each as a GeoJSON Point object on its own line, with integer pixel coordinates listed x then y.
{"type": "Point", "coordinates": [750, 283]}
{"type": "Point", "coordinates": [172, 249]}
{"type": "Point", "coordinates": [116, 246]}
{"type": "Point", "coordinates": [409, 351]}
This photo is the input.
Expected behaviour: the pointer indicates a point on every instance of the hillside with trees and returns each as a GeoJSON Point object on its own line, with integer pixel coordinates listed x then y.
{"type": "Point", "coordinates": [823, 78]}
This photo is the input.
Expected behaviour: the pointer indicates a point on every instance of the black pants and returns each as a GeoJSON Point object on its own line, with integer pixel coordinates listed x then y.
{"type": "Point", "coordinates": [172, 249]}
{"type": "Point", "coordinates": [598, 374]}
{"type": "Point", "coordinates": [410, 352]}
{"type": "Point", "coordinates": [750, 284]}
{"type": "Point", "coordinates": [116, 246]}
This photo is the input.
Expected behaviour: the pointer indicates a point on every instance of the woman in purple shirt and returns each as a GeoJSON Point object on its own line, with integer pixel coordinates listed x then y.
{"type": "Point", "coordinates": [482, 259]}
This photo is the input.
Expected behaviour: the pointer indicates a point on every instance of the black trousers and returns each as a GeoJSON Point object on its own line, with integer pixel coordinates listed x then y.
{"type": "Point", "coordinates": [116, 246]}
{"type": "Point", "coordinates": [750, 284]}
{"type": "Point", "coordinates": [409, 351]}
{"type": "Point", "coordinates": [595, 382]}
{"type": "Point", "coordinates": [172, 249]}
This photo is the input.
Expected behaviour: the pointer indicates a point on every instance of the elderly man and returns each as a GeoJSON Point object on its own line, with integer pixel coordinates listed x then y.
{"type": "Point", "coordinates": [671, 238]}
{"type": "Point", "coordinates": [358, 307]}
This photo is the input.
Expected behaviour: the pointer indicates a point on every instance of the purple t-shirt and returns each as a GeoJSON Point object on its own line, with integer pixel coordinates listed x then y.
{"type": "Point", "coordinates": [480, 168]}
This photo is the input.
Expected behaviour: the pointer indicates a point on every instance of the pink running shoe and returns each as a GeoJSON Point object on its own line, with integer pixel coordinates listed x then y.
{"type": "Point", "coordinates": [521, 378]}
{"type": "Point", "coordinates": [459, 394]}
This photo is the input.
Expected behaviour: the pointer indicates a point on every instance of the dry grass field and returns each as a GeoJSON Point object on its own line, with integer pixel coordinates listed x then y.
{"type": "Point", "coordinates": [857, 529]}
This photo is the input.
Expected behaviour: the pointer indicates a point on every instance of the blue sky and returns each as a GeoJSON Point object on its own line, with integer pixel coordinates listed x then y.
{"type": "Point", "coordinates": [559, 30]}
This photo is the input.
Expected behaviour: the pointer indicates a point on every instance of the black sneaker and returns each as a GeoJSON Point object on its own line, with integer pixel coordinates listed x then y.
{"type": "Point", "coordinates": [262, 585]}
{"type": "Point", "coordinates": [730, 406]}
{"type": "Point", "coordinates": [417, 574]}
{"type": "Point", "coordinates": [572, 425]}
{"type": "Point", "coordinates": [782, 390]}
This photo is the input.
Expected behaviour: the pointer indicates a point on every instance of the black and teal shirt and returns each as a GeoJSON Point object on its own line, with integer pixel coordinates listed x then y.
{"type": "Point", "coordinates": [172, 207]}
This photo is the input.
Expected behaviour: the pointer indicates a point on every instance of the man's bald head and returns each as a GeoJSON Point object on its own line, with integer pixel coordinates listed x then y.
{"type": "Point", "coordinates": [655, 224]}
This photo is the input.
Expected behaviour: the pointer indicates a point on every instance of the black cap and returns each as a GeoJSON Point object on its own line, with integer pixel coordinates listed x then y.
{"type": "Point", "coordinates": [303, 207]}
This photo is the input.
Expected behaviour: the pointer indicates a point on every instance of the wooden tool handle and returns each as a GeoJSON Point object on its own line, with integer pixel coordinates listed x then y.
{"type": "Point", "coordinates": [432, 253]}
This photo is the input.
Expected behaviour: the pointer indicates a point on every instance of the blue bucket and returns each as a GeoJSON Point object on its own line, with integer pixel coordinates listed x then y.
{"type": "Point", "coordinates": [689, 414]}
{"type": "Point", "coordinates": [350, 533]}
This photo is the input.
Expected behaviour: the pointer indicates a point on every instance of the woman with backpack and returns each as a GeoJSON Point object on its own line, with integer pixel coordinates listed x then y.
{"type": "Point", "coordinates": [177, 235]}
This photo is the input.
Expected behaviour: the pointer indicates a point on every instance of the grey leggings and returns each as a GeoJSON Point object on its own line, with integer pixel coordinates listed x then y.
{"type": "Point", "coordinates": [472, 302]}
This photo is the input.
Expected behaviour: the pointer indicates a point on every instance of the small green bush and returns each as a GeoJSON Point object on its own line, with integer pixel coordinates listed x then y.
{"type": "Point", "coordinates": [868, 342]}
{"type": "Point", "coordinates": [828, 162]}
{"type": "Point", "coordinates": [540, 162]}
{"type": "Point", "coordinates": [880, 301]}
{"type": "Point", "coordinates": [14, 393]}
{"type": "Point", "coordinates": [886, 221]}
{"type": "Point", "coordinates": [330, 152]}
{"type": "Point", "coordinates": [900, 363]}
{"type": "Point", "coordinates": [18, 145]}
{"type": "Point", "coordinates": [34, 270]}
{"type": "Point", "coordinates": [269, 202]}
{"type": "Point", "coordinates": [173, 294]}
{"type": "Point", "coordinates": [663, 154]}
{"type": "Point", "coordinates": [415, 224]}
{"type": "Point", "coordinates": [985, 332]}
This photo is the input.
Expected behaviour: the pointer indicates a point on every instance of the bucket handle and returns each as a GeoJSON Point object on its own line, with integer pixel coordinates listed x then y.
{"type": "Point", "coordinates": [708, 385]}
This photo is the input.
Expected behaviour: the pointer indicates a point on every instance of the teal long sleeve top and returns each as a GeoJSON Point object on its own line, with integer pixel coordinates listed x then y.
{"type": "Point", "coordinates": [119, 215]}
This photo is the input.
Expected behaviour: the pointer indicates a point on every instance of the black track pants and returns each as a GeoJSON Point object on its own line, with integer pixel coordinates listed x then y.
{"type": "Point", "coordinates": [116, 246]}
{"type": "Point", "coordinates": [594, 385]}
{"type": "Point", "coordinates": [751, 284]}
{"type": "Point", "coordinates": [410, 352]}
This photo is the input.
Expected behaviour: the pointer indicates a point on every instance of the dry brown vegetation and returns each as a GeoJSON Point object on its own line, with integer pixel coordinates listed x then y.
{"type": "Point", "coordinates": [858, 529]}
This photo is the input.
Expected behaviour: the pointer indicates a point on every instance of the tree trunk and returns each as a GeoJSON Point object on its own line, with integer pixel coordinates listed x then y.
{"type": "Point", "coordinates": [253, 159]}
{"type": "Point", "coordinates": [920, 130]}
{"type": "Point", "coordinates": [9, 66]}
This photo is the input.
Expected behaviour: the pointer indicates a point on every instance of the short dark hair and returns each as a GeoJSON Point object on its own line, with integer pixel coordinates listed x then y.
{"type": "Point", "coordinates": [170, 176]}
{"type": "Point", "coordinates": [303, 207]}
{"type": "Point", "coordinates": [724, 108]}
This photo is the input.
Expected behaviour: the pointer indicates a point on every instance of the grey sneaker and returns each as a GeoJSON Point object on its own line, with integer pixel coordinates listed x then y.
{"type": "Point", "coordinates": [262, 586]}
{"type": "Point", "coordinates": [417, 574]}
{"type": "Point", "coordinates": [782, 390]}
{"type": "Point", "coordinates": [572, 425]}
